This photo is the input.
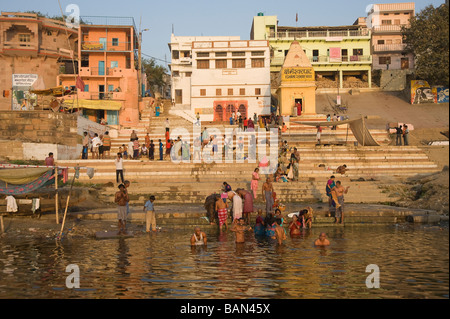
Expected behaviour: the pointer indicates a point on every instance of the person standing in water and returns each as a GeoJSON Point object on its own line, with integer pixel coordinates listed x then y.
{"type": "Point", "coordinates": [267, 191]}
{"type": "Point", "coordinates": [240, 228]}
{"type": "Point", "coordinates": [322, 240]}
{"type": "Point", "coordinates": [198, 238]}
{"type": "Point", "coordinates": [254, 183]}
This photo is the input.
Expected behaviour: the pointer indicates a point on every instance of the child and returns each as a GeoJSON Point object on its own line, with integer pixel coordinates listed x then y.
{"type": "Point", "coordinates": [125, 151]}
{"type": "Point", "coordinates": [150, 217]}
{"type": "Point", "coordinates": [120, 151]}
{"type": "Point", "coordinates": [239, 228]}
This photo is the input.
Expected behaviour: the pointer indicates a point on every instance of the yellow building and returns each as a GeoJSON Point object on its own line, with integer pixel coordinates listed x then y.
{"type": "Point", "coordinates": [297, 91]}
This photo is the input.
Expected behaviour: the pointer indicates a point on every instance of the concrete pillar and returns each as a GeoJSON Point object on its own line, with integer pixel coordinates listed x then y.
{"type": "Point", "coordinates": [341, 79]}
{"type": "Point", "coordinates": [369, 77]}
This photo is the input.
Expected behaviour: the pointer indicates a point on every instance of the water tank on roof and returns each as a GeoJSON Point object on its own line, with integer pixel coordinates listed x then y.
{"type": "Point", "coordinates": [260, 14]}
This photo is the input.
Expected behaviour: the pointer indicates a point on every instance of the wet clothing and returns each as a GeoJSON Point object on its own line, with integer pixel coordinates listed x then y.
{"type": "Point", "coordinates": [222, 213]}
{"type": "Point", "coordinates": [269, 201]}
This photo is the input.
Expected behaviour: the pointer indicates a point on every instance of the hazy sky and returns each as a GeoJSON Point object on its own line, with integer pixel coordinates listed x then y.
{"type": "Point", "coordinates": [209, 18]}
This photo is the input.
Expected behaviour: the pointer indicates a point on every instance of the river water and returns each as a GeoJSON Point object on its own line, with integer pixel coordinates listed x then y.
{"type": "Point", "coordinates": [413, 263]}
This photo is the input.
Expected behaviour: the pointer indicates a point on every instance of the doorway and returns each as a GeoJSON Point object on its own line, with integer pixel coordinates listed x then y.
{"type": "Point", "coordinates": [101, 92]}
{"type": "Point", "coordinates": [298, 107]}
{"type": "Point", "coordinates": [405, 63]}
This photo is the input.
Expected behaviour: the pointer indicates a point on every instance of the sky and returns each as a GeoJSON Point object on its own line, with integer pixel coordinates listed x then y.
{"type": "Point", "coordinates": [208, 17]}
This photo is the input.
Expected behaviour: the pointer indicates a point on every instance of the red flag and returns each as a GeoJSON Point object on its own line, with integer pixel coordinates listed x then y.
{"type": "Point", "coordinates": [80, 84]}
{"type": "Point", "coordinates": [296, 18]}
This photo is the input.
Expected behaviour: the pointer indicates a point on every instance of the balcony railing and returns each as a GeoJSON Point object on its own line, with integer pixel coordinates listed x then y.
{"type": "Point", "coordinates": [394, 28]}
{"type": "Point", "coordinates": [105, 46]}
{"type": "Point", "coordinates": [278, 61]}
{"type": "Point", "coordinates": [106, 95]}
{"type": "Point", "coordinates": [319, 34]}
{"type": "Point", "coordinates": [389, 47]}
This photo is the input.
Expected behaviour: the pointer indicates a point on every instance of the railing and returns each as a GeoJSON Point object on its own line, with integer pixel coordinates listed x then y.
{"type": "Point", "coordinates": [20, 45]}
{"type": "Point", "coordinates": [109, 21]}
{"type": "Point", "coordinates": [389, 28]}
{"type": "Point", "coordinates": [389, 47]}
{"type": "Point", "coordinates": [319, 34]}
{"type": "Point", "coordinates": [105, 46]}
{"type": "Point", "coordinates": [342, 59]}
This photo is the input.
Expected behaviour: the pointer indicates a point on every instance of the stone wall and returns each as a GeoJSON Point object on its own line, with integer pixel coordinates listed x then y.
{"type": "Point", "coordinates": [39, 127]}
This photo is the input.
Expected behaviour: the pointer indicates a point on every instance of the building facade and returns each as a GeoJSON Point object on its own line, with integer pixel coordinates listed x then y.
{"type": "Point", "coordinates": [334, 52]}
{"type": "Point", "coordinates": [386, 22]}
{"type": "Point", "coordinates": [216, 76]}
{"type": "Point", "coordinates": [33, 50]}
{"type": "Point", "coordinates": [108, 67]}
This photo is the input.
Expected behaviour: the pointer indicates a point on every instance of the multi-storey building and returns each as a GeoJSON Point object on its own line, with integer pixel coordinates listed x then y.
{"type": "Point", "coordinates": [335, 52]}
{"type": "Point", "coordinates": [33, 49]}
{"type": "Point", "coordinates": [216, 76]}
{"type": "Point", "coordinates": [386, 22]}
{"type": "Point", "coordinates": [108, 67]}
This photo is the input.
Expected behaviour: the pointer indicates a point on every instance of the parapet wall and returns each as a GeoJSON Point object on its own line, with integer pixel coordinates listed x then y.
{"type": "Point", "coordinates": [39, 127]}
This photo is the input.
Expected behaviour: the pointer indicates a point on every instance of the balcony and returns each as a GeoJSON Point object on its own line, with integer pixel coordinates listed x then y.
{"type": "Point", "coordinates": [351, 59]}
{"type": "Point", "coordinates": [97, 46]}
{"type": "Point", "coordinates": [398, 47]}
{"type": "Point", "coordinates": [391, 28]}
{"type": "Point", "coordinates": [325, 34]}
{"type": "Point", "coordinates": [109, 96]}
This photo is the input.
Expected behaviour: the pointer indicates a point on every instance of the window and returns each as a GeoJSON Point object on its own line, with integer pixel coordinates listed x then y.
{"type": "Point", "coordinates": [202, 92]}
{"type": "Point", "coordinates": [203, 54]}
{"type": "Point", "coordinates": [242, 91]}
{"type": "Point", "coordinates": [384, 60]}
{"type": "Point", "coordinates": [257, 53]}
{"type": "Point", "coordinates": [389, 41]}
{"type": "Point", "coordinates": [257, 63]}
{"type": "Point", "coordinates": [238, 63]}
{"type": "Point", "coordinates": [202, 64]}
{"type": "Point", "coordinates": [186, 54]}
{"type": "Point", "coordinates": [86, 88]}
{"type": "Point", "coordinates": [357, 51]}
{"type": "Point", "coordinates": [110, 88]}
{"type": "Point", "coordinates": [114, 64]}
{"type": "Point", "coordinates": [49, 33]}
{"type": "Point", "coordinates": [397, 21]}
{"type": "Point", "coordinates": [380, 42]}
{"type": "Point", "coordinates": [258, 91]}
{"type": "Point", "coordinates": [24, 37]}
{"type": "Point", "coordinates": [176, 74]}
{"type": "Point", "coordinates": [175, 55]}
{"type": "Point", "coordinates": [115, 42]}
{"type": "Point", "coordinates": [219, 92]}
{"type": "Point", "coordinates": [397, 13]}
{"type": "Point", "coordinates": [221, 64]}
{"type": "Point", "coordinates": [188, 74]}
{"type": "Point", "coordinates": [230, 91]}
{"type": "Point", "coordinates": [386, 22]}
{"type": "Point", "coordinates": [221, 54]}
{"type": "Point", "coordinates": [238, 54]}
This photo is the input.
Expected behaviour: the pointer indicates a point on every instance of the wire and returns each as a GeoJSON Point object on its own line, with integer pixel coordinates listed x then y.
{"type": "Point", "coordinates": [155, 58]}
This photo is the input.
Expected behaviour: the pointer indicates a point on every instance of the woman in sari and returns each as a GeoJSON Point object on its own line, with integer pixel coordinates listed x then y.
{"type": "Point", "coordinates": [254, 183]}
{"type": "Point", "coordinates": [294, 226]}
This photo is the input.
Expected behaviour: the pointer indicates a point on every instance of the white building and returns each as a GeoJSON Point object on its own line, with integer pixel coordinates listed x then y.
{"type": "Point", "coordinates": [215, 76]}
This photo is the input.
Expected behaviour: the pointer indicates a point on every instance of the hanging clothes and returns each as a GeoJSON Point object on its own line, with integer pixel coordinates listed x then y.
{"type": "Point", "coordinates": [11, 204]}
{"type": "Point", "coordinates": [35, 204]}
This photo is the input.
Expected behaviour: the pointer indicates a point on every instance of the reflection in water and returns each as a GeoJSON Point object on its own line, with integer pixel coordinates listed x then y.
{"type": "Point", "coordinates": [413, 263]}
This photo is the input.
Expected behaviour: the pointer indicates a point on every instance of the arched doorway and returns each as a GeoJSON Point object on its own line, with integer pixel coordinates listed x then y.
{"type": "Point", "coordinates": [218, 113]}
{"type": "Point", "coordinates": [243, 110]}
{"type": "Point", "coordinates": [229, 111]}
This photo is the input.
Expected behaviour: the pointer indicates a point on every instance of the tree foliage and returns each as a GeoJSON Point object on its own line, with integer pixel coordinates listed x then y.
{"type": "Point", "coordinates": [428, 40]}
{"type": "Point", "coordinates": [156, 78]}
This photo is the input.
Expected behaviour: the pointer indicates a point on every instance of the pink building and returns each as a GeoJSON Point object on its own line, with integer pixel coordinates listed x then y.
{"type": "Point", "coordinates": [386, 22]}
{"type": "Point", "coordinates": [107, 51]}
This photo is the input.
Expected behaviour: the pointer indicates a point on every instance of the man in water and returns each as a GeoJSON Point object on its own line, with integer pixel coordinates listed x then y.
{"type": "Point", "coordinates": [222, 212]}
{"type": "Point", "coordinates": [280, 234]}
{"type": "Point", "coordinates": [198, 238]}
{"type": "Point", "coordinates": [267, 191]}
{"type": "Point", "coordinates": [340, 191]}
{"type": "Point", "coordinates": [239, 228]}
{"type": "Point", "coordinates": [121, 198]}
{"type": "Point", "coordinates": [322, 240]}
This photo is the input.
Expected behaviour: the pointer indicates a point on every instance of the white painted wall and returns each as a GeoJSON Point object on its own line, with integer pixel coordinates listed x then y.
{"type": "Point", "coordinates": [38, 151]}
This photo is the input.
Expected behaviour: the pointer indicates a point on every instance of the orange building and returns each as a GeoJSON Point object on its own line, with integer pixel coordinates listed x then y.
{"type": "Point", "coordinates": [107, 53]}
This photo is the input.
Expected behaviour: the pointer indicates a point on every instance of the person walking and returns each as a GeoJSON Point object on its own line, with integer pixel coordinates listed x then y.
{"type": "Point", "coordinates": [119, 168]}
{"type": "Point", "coordinates": [295, 161]}
{"type": "Point", "coordinates": [106, 145]}
{"type": "Point", "coordinates": [161, 150]}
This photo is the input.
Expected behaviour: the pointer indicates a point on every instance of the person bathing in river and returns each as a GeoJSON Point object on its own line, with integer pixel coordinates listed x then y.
{"type": "Point", "coordinates": [240, 228]}
{"type": "Point", "coordinates": [322, 240]}
{"type": "Point", "coordinates": [198, 238]}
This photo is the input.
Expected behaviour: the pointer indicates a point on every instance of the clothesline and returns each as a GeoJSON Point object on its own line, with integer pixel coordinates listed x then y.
{"type": "Point", "coordinates": [39, 166]}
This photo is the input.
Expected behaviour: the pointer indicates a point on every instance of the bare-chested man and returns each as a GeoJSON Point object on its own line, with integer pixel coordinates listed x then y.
{"type": "Point", "coordinates": [340, 191]}
{"type": "Point", "coordinates": [280, 234]}
{"type": "Point", "coordinates": [240, 228]}
{"type": "Point", "coordinates": [322, 240]}
{"type": "Point", "coordinates": [198, 238]}
{"type": "Point", "coordinates": [222, 212]}
{"type": "Point", "coordinates": [267, 191]}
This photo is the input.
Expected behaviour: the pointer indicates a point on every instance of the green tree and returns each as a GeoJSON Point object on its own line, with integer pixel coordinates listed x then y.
{"type": "Point", "coordinates": [428, 39]}
{"type": "Point", "coordinates": [156, 78]}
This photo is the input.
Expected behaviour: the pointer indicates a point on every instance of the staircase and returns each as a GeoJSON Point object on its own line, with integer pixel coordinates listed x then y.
{"type": "Point", "coordinates": [371, 169]}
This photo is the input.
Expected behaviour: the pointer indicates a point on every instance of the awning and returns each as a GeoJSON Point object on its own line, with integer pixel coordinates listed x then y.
{"type": "Point", "coordinates": [94, 104]}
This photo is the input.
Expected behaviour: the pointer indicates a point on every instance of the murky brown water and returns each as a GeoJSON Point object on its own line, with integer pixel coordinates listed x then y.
{"type": "Point", "coordinates": [413, 262]}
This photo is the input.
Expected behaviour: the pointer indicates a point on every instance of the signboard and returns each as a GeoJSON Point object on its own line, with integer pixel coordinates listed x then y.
{"type": "Point", "coordinates": [297, 74]}
{"type": "Point", "coordinates": [22, 99]}
{"type": "Point", "coordinates": [441, 94]}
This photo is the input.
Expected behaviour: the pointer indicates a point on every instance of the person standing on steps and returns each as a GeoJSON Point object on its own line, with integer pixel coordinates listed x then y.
{"type": "Point", "coordinates": [119, 168]}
